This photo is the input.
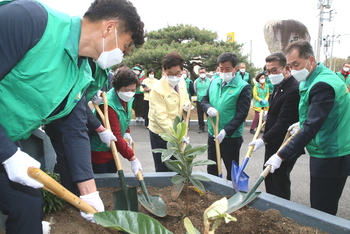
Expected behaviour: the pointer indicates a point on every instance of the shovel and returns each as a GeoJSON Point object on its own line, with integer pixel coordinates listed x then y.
{"type": "Point", "coordinates": [242, 198]}
{"type": "Point", "coordinates": [176, 189]}
{"type": "Point", "coordinates": [239, 178]}
{"type": "Point", "coordinates": [126, 198]}
{"type": "Point", "coordinates": [217, 143]}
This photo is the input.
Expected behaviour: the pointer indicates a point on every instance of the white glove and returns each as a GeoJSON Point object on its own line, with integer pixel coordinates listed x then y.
{"type": "Point", "coordinates": [186, 140]}
{"type": "Point", "coordinates": [17, 166]}
{"type": "Point", "coordinates": [106, 137]}
{"type": "Point", "coordinates": [293, 128]}
{"type": "Point", "coordinates": [211, 111]}
{"type": "Point", "coordinates": [95, 201]}
{"type": "Point", "coordinates": [128, 137]}
{"type": "Point", "coordinates": [221, 135]}
{"type": "Point", "coordinates": [258, 143]}
{"type": "Point", "coordinates": [136, 166]}
{"type": "Point", "coordinates": [275, 162]}
{"type": "Point", "coordinates": [97, 99]}
{"type": "Point", "coordinates": [186, 107]}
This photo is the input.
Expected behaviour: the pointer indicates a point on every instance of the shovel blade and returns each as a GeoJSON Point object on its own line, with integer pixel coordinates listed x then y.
{"type": "Point", "coordinates": [176, 190]}
{"type": "Point", "coordinates": [240, 180]}
{"type": "Point", "coordinates": [239, 200]}
{"type": "Point", "coordinates": [153, 204]}
{"type": "Point", "coordinates": [126, 199]}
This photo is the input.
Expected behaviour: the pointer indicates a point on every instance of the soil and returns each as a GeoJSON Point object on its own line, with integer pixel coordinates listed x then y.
{"type": "Point", "coordinates": [249, 220]}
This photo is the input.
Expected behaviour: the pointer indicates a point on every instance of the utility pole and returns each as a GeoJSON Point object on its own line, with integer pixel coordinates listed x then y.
{"type": "Point", "coordinates": [321, 4]}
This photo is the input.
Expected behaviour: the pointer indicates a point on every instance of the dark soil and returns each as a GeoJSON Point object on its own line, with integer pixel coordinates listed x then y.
{"type": "Point", "coordinates": [249, 220]}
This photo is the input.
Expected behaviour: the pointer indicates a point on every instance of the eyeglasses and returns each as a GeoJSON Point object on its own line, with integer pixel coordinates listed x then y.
{"type": "Point", "coordinates": [272, 71]}
{"type": "Point", "coordinates": [177, 74]}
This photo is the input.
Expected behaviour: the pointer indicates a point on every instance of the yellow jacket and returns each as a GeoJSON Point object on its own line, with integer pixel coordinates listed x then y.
{"type": "Point", "coordinates": [165, 104]}
{"type": "Point", "coordinates": [149, 82]}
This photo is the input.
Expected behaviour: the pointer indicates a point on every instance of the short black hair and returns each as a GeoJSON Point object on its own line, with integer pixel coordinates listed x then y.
{"type": "Point", "coordinates": [277, 56]}
{"type": "Point", "coordinates": [202, 68]}
{"type": "Point", "coordinates": [304, 47]}
{"type": "Point", "coordinates": [124, 12]}
{"type": "Point", "coordinates": [259, 76]}
{"type": "Point", "coordinates": [151, 70]}
{"type": "Point", "coordinates": [124, 77]}
{"type": "Point", "coordinates": [171, 60]}
{"type": "Point", "coordinates": [228, 57]}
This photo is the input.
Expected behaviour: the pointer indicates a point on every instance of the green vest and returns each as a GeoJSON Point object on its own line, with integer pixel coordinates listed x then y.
{"type": "Point", "coordinates": [124, 118]}
{"type": "Point", "coordinates": [261, 94]}
{"type": "Point", "coordinates": [346, 81]}
{"type": "Point", "coordinates": [245, 77]}
{"type": "Point", "coordinates": [269, 84]}
{"type": "Point", "coordinates": [333, 138]}
{"type": "Point", "coordinates": [45, 76]}
{"type": "Point", "coordinates": [224, 100]}
{"type": "Point", "coordinates": [188, 81]}
{"type": "Point", "coordinates": [201, 87]}
{"type": "Point", "coordinates": [100, 79]}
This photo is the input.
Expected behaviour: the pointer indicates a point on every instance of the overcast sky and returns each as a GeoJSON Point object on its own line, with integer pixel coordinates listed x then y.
{"type": "Point", "coordinates": [246, 18]}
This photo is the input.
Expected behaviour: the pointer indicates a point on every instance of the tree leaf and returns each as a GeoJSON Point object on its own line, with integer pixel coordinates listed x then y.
{"type": "Point", "coordinates": [197, 183]}
{"type": "Point", "coordinates": [189, 227]}
{"type": "Point", "coordinates": [130, 222]}
{"type": "Point", "coordinates": [167, 137]}
{"type": "Point", "coordinates": [196, 150]}
{"type": "Point", "coordinates": [200, 177]}
{"type": "Point", "coordinates": [177, 179]}
{"type": "Point", "coordinates": [167, 154]}
{"type": "Point", "coordinates": [204, 162]}
{"type": "Point", "coordinates": [173, 166]}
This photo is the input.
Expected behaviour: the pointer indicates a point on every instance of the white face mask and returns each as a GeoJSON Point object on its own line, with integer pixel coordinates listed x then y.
{"type": "Point", "coordinates": [242, 70]}
{"type": "Point", "coordinates": [151, 76]}
{"type": "Point", "coordinates": [262, 81]}
{"type": "Point", "coordinates": [276, 78]}
{"type": "Point", "coordinates": [302, 74]}
{"type": "Point", "coordinates": [110, 58]}
{"type": "Point", "coordinates": [202, 76]}
{"type": "Point", "coordinates": [346, 69]}
{"type": "Point", "coordinates": [173, 80]}
{"type": "Point", "coordinates": [137, 72]}
{"type": "Point", "coordinates": [183, 76]}
{"type": "Point", "coordinates": [226, 76]}
{"type": "Point", "coordinates": [126, 96]}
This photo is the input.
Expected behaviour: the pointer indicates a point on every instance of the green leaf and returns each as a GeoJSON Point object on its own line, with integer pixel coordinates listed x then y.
{"type": "Point", "coordinates": [177, 120]}
{"type": "Point", "coordinates": [200, 177]}
{"type": "Point", "coordinates": [130, 222]}
{"type": "Point", "coordinates": [158, 150]}
{"type": "Point", "coordinates": [177, 179]}
{"type": "Point", "coordinates": [167, 137]}
{"type": "Point", "coordinates": [203, 162]}
{"type": "Point", "coordinates": [173, 166]}
{"type": "Point", "coordinates": [196, 150]}
{"type": "Point", "coordinates": [167, 154]}
{"type": "Point", "coordinates": [189, 227]}
{"type": "Point", "coordinates": [197, 183]}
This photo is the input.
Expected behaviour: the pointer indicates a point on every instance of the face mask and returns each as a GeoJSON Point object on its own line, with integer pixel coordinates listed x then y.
{"type": "Point", "coordinates": [126, 96]}
{"type": "Point", "coordinates": [300, 75]}
{"type": "Point", "coordinates": [242, 70]}
{"type": "Point", "coordinates": [110, 58]}
{"type": "Point", "coordinates": [276, 78]}
{"type": "Point", "coordinates": [202, 76]}
{"type": "Point", "coordinates": [227, 77]}
{"type": "Point", "coordinates": [137, 72]}
{"type": "Point", "coordinates": [173, 80]}
{"type": "Point", "coordinates": [151, 76]}
{"type": "Point", "coordinates": [346, 69]}
{"type": "Point", "coordinates": [183, 76]}
{"type": "Point", "coordinates": [262, 81]}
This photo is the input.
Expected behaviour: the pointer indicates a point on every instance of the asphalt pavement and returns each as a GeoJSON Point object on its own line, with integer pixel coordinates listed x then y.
{"type": "Point", "coordinates": [300, 175]}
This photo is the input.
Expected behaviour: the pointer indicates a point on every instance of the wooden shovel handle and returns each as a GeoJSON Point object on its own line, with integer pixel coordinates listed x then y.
{"type": "Point", "coordinates": [258, 129]}
{"type": "Point", "coordinates": [57, 189]}
{"type": "Point", "coordinates": [187, 119]}
{"type": "Point", "coordinates": [217, 144]}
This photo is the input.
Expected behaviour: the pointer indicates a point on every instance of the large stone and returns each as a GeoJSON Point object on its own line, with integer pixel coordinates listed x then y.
{"type": "Point", "coordinates": [279, 33]}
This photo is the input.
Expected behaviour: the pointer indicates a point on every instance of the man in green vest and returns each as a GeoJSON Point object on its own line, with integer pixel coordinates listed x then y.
{"type": "Point", "coordinates": [230, 97]}
{"type": "Point", "coordinates": [201, 85]}
{"type": "Point", "coordinates": [45, 76]}
{"type": "Point", "coordinates": [324, 114]}
{"type": "Point", "coordinates": [245, 75]}
{"type": "Point", "coordinates": [344, 74]}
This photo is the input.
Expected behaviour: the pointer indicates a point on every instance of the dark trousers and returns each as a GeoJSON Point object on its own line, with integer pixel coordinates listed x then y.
{"type": "Point", "coordinates": [108, 167]}
{"type": "Point", "coordinates": [145, 111]}
{"type": "Point", "coordinates": [325, 193]}
{"type": "Point", "coordinates": [137, 105]}
{"type": "Point", "coordinates": [255, 120]}
{"type": "Point", "coordinates": [200, 113]}
{"type": "Point", "coordinates": [278, 183]}
{"type": "Point", "coordinates": [229, 150]}
{"type": "Point", "coordinates": [158, 143]}
{"type": "Point", "coordinates": [22, 204]}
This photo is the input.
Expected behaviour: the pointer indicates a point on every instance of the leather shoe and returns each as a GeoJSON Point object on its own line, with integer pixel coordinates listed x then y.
{"type": "Point", "coordinates": [200, 130]}
{"type": "Point", "coordinates": [252, 131]}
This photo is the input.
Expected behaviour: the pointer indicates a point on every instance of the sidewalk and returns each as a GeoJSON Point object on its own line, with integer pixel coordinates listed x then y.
{"type": "Point", "coordinates": [299, 176]}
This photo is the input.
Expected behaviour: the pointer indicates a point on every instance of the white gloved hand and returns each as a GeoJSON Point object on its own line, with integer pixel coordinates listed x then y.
{"type": "Point", "coordinates": [97, 99]}
{"type": "Point", "coordinates": [95, 201]}
{"type": "Point", "coordinates": [128, 137]}
{"type": "Point", "coordinates": [293, 128]}
{"type": "Point", "coordinates": [136, 166]}
{"type": "Point", "coordinates": [275, 162]}
{"type": "Point", "coordinates": [186, 107]}
{"type": "Point", "coordinates": [258, 143]}
{"type": "Point", "coordinates": [17, 166]}
{"type": "Point", "coordinates": [211, 111]}
{"type": "Point", "coordinates": [106, 137]}
{"type": "Point", "coordinates": [186, 140]}
{"type": "Point", "coordinates": [220, 137]}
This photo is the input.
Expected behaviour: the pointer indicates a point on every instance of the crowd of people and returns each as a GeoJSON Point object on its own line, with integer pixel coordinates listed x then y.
{"type": "Point", "coordinates": [297, 94]}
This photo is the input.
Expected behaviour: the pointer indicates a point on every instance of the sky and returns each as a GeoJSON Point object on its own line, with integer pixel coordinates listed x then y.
{"type": "Point", "coordinates": [246, 18]}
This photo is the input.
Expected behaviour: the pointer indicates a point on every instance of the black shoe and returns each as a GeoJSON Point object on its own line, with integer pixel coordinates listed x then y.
{"type": "Point", "coordinates": [200, 130]}
{"type": "Point", "coordinates": [252, 131]}
{"type": "Point", "coordinates": [262, 131]}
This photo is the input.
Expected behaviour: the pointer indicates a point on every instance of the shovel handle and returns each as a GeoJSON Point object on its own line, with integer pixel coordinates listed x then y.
{"type": "Point", "coordinates": [258, 129]}
{"type": "Point", "coordinates": [186, 117]}
{"type": "Point", "coordinates": [57, 189]}
{"type": "Point", "coordinates": [217, 144]}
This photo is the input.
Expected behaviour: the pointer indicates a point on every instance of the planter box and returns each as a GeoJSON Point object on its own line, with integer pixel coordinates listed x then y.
{"type": "Point", "coordinates": [299, 213]}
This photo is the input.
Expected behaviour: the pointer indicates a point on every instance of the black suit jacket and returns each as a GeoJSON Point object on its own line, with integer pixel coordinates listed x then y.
{"type": "Point", "coordinates": [283, 112]}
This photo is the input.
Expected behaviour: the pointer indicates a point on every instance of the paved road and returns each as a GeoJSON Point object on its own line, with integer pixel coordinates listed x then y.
{"type": "Point", "coordinates": [299, 176]}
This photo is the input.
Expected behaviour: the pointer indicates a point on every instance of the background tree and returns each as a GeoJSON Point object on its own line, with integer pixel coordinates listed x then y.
{"type": "Point", "coordinates": [336, 64]}
{"type": "Point", "coordinates": [199, 47]}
